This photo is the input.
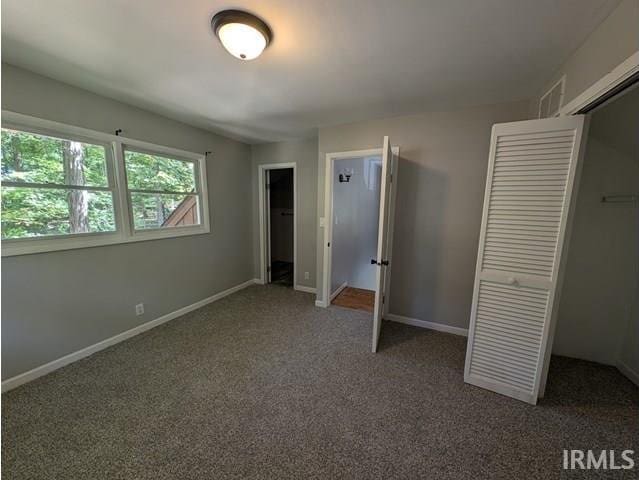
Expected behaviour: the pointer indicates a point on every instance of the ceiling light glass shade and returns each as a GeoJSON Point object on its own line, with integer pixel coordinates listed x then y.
{"type": "Point", "coordinates": [244, 35]}
{"type": "Point", "coordinates": [242, 41]}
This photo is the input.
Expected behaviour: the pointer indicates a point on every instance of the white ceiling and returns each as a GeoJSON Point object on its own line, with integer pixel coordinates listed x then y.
{"type": "Point", "coordinates": [331, 61]}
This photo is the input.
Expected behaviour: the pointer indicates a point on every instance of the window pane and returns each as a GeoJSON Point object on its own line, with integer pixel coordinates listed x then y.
{"type": "Point", "coordinates": [151, 210]}
{"type": "Point", "coordinates": [35, 212]}
{"type": "Point", "coordinates": [27, 157]}
{"type": "Point", "coordinates": [153, 172]}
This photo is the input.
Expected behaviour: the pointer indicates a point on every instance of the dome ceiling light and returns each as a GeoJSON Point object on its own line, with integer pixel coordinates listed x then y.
{"type": "Point", "coordinates": [243, 35]}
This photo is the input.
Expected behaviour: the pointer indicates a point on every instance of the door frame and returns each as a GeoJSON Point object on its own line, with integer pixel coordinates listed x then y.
{"type": "Point", "coordinates": [616, 79]}
{"type": "Point", "coordinates": [264, 216]}
{"type": "Point", "coordinates": [328, 215]}
{"type": "Point", "coordinates": [594, 97]}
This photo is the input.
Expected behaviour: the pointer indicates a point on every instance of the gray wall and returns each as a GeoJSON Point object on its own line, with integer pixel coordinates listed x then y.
{"type": "Point", "coordinates": [355, 223]}
{"type": "Point", "coordinates": [57, 303]}
{"type": "Point", "coordinates": [442, 173]}
{"type": "Point", "coordinates": [304, 154]}
{"type": "Point", "coordinates": [599, 294]}
{"type": "Point", "coordinates": [610, 44]}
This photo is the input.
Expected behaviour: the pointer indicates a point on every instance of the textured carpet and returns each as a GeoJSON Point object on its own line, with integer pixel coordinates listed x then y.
{"type": "Point", "coordinates": [263, 384]}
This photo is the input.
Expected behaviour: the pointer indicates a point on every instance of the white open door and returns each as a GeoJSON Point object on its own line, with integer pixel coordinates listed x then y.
{"type": "Point", "coordinates": [533, 170]}
{"type": "Point", "coordinates": [384, 238]}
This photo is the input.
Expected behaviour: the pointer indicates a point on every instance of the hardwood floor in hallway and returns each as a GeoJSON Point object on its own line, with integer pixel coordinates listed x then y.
{"type": "Point", "coordinates": [356, 298]}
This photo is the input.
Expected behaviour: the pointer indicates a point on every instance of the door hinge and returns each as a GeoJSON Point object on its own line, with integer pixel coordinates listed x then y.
{"type": "Point", "coordinates": [329, 244]}
{"type": "Point", "coordinates": [383, 299]}
{"type": "Point", "coordinates": [391, 178]}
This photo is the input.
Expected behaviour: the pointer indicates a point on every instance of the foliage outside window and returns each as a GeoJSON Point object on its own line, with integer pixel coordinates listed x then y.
{"type": "Point", "coordinates": [67, 187]}
{"type": "Point", "coordinates": [53, 186]}
{"type": "Point", "coordinates": [162, 191]}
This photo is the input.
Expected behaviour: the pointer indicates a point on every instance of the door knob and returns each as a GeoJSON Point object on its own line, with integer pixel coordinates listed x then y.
{"type": "Point", "coordinates": [375, 262]}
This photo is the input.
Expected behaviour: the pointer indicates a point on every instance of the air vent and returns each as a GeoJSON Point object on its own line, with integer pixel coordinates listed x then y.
{"type": "Point", "coordinates": [552, 100]}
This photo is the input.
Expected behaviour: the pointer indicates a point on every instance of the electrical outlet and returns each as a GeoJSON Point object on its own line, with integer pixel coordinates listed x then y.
{"type": "Point", "coordinates": [139, 309]}
{"type": "Point", "coordinates": [307, 276]}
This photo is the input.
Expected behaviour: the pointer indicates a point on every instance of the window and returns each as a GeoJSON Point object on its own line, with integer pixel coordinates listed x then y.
{"type": "Point", "coordinates": [162, 191]}
{"type": "Point", "coordinates": [65, 187]}
{"type": "Point", "coordinates": [54, 186]}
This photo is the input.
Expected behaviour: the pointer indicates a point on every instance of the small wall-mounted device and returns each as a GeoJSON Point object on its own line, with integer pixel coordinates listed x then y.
{"type": "Point", "coordinates": [345, 176]}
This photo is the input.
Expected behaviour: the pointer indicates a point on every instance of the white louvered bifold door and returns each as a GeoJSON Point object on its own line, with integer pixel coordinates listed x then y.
{"type": "Point", "coordinates": [532, 170]}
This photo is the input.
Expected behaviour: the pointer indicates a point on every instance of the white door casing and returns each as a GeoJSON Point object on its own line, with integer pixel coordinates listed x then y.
{"type": "Point", "coordinates": [533, 171]}
{"type": "Point", "coordinates": [263, 176]}
{"type": "Point", "coordinates": [328, 219]}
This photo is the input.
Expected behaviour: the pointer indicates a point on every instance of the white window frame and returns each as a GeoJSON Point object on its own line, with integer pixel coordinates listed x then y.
{"type": "Point", "coordinates": [116, 173]}
{"type": "Point", "coordinates": [164, 232]}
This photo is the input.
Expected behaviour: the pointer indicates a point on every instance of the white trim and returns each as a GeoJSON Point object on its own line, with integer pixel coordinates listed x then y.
{"type": "Point", "coordinates": [628, 372]}
{"type": "Point", "coordinates": [440, 327]}
{"type": "Point", "coordinates": [338, 290]}
{"type": "Point", "coordinates": [261, 169]}
{"type": "Point", "coordinates": [117, 178]}
{"type": "Point", "coordinates": [328, 211]}
{"type": "Point", "coordinates": [619, 74]}
{"type": "Point", "coordinates": [34, 373]}
{"type": "Point", "coordinates": [304, 288]}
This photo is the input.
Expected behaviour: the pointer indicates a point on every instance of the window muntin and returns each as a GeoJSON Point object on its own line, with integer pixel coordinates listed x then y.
{"type": "Point", "coordinates": [54, 186]}
{"type": "Point", "coordinates": [162, 191]}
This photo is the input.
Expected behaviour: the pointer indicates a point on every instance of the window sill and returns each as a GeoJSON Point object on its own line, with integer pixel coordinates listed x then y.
{"type": "Point", "coordinates": [27, 246]}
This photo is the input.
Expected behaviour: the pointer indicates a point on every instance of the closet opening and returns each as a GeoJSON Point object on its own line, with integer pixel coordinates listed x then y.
{"type": "Point", "coordinates": [598, 316]}
{"type": "Point", "coordinates": [281, 212]}
{"type": "Point", "coordinates": [558, 258]}
{"type": "Point", "coordinates": [278, 226]}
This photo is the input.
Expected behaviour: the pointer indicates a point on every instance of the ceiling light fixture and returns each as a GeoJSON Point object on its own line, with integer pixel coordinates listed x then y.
{"type": "Point", "coordinates": [244, 35]}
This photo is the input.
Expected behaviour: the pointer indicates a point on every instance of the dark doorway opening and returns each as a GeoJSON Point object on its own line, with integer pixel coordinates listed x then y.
{"type": "Point", "coordinates": [282, 227]}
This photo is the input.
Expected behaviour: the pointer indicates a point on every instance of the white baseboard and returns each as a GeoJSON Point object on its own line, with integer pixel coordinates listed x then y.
{"type": "Point", "coordinates": [339, 290]}
{"type": "Point", "coordinates": [321, 303]}
{"type": "Point", "coordinates": [34, 373]}
{"type": "Point", "coordinates": [440, 327]}
{"type": "Point", "coordinates": [625, 369]}
{"type": "Point", "coordinates": [302, 288]}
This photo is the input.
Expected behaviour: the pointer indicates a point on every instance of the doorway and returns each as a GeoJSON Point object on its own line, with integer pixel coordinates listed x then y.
{"type": "Point", "coordinates": [278, 224]}
{"type": "Point", "coordinates": [350, 230]}
{"type": "Point", "coordinates": [598, 317]}
{"type": "Point", "coordinates": [355, 227]}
